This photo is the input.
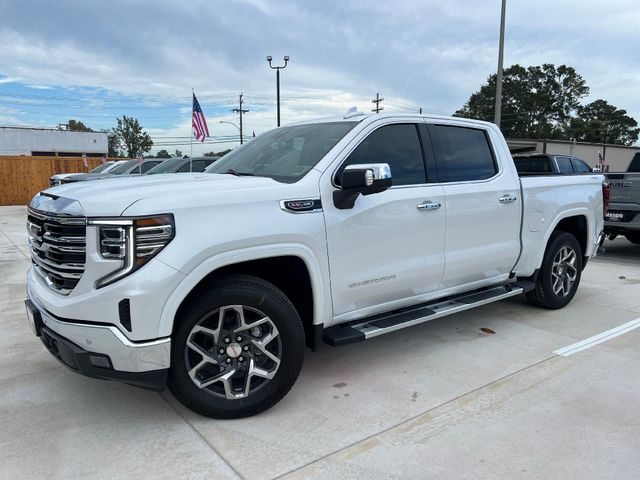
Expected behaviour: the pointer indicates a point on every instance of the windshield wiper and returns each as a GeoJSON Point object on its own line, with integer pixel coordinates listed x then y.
{"type": "Point", "coordinates": [239, 174]}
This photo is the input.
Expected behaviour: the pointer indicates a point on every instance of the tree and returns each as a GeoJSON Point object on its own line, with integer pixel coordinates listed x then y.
{"type": "Point", "coordinates": [537, 101]}
{"type": "Point", "coordinates": [163, 154]}
{"type": "Point", "coordinates": [178, 153]}
{"type": "Point", "coordinates": [131, 137]}
{"type": "Point", "coordinates": [74, 126]}
{"type": "Point", "coordinates": [115, 149]}
{"type": "Point", "coordinates": [601, 122]}
{"type": "Point", "coordinates": [217, 154]}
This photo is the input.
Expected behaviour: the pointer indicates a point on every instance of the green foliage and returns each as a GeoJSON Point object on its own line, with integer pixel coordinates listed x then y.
{"type": "Point", "coordinates": [115, 150]}
{"type": "Point", "coordinates": [163, 154]}
{"type": "Point", "coordinates": [74, 126]}
{"type": "Point", "coordinates": [178, 153]}
{"type": "Point", "coordinates": [217, 154]}
{"type": "Point", "coordinates": [537, 101]}
{"type": "Point", "coordinates": [600, 121]}
{"type": "Point", "coordinates": [131, 138]}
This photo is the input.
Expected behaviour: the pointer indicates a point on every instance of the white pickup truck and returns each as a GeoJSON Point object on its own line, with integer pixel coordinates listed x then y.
{"type": "Point", "coordinates": [334, 230]}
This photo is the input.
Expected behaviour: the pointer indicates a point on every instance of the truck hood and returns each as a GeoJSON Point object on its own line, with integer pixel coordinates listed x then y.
{"type": "Point", "coordinates": [113, 197]}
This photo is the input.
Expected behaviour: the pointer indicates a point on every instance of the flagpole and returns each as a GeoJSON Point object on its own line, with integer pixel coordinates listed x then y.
{"type": "Point", "coordinates": [191, 137]}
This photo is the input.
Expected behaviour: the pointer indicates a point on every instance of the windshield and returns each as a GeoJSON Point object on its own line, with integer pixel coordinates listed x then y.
{"type": "Point", "coordinates": [100, 168]}
{"type": "Point", "coordinates": [285, 154]}
{"type": "Point", "coordinates": [166, 166]}
{"type": "Point", "coordinates": [123, 167]}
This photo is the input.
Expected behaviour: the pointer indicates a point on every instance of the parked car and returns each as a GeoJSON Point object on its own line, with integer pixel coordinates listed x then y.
{"type": "Point", "coordinates": [335, 230]}
{"type": "Point", "coordinates": [623, 218]}
{"type": "Point", "coordinates": [548, 163]}
{"type": "Point", "coordinates": [182, 165]}
{"type": "Point", "coordinates": [127, 167]}
{"type": "Point", "coordinates": [102, 168]}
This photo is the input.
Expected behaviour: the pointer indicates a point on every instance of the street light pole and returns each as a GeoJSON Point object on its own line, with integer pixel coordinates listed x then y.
{"type": "Point", "coordinates": [277, 69]}
{"type": "Point", "coordinates": [231, 123]}
{"type": "Point", "coordinates": [498, 111]}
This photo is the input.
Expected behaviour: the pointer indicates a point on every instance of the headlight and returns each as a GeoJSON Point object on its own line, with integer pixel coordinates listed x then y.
{"type": "Point", "coordinates": [134, 241]}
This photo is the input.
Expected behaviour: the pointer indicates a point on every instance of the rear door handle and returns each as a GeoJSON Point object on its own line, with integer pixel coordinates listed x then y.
{"type": "Point", "coordinates": [507, 199]}
{"type": "Point", "coordinates": [429, 205]}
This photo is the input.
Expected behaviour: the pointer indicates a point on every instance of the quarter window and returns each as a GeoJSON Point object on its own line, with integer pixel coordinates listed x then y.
{"type": "Point", "coordinates": [463, 154]}
{"type": "Point", "coordinates": [579, 166]}
{"type": "Point", "coordinates": [564, 165]}
{"type": "Point", "coordinates": [399, 146]}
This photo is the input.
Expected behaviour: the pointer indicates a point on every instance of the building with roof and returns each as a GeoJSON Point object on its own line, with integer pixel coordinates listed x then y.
{"type": "Point", "coordinates": [52, 142]}
{"type": "Point", "coordinates": [616, 157]}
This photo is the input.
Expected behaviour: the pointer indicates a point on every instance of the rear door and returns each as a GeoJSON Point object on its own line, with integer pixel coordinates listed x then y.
{"type": "Point", "coordinates": [483, 205]}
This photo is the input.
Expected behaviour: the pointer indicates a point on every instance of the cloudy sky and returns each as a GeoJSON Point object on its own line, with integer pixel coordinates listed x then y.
{"type": "Point", "coordinates": [96, 60]}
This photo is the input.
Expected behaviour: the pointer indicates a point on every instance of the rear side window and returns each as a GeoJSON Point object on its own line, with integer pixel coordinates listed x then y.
{"type": "Point", "coordinates": [538, 164]}
{"type": "Point", "coordinates": [579, 166]}
{"type": "Point", "coordinates": [399, 146]}
{"type": "Point", "coordinates": [463, 154]}
{"type": "Point", "coordinates": [564, 165]}
{"type": "Point", "coordinates": [146, 166]}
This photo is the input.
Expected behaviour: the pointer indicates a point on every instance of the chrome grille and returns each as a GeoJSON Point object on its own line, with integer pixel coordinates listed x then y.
{"type": "Point", "coordinates": [58, 248]}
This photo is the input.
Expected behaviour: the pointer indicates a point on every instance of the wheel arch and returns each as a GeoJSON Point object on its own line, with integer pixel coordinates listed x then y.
{"type": "Point", "coordinates": [573, 222]}
{"type": "Point", "coordinates": [292, 269]}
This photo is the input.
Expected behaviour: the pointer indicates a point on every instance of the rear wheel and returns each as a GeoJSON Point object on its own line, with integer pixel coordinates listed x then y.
{"type": "Point", "coordinates": [633, 237]}
{"type": "Point", "coordinates": [237, 350]}
{"type": "Point", "coordinates": [559, 274]}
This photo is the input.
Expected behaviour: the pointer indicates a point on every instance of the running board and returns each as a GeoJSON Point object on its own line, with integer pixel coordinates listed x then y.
{"type": "Point", "coordinates": [370, 327]}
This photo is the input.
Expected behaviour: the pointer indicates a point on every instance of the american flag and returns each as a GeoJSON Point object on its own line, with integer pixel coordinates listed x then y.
{"type": "Point", "coordinates": [103, 160]}
{"type": "Point", "coordinates": [140, 158]}
{"type": "Point", "coordinates": [84, 160]}
{"type": "Point", "coordinates": [200, 129]}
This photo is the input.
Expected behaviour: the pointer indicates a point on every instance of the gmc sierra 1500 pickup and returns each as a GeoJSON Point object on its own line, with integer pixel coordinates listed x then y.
{"type": "Point", "coordinates": [334, 230]}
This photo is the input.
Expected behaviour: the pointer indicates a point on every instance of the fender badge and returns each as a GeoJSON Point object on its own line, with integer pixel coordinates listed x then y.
{"type": "Point", "coordinates": [301, 206]}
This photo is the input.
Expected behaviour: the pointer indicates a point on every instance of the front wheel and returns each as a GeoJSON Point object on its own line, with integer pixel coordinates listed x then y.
{"type": "Point", "coordinates": [237, 349]}
{"type": "Point", "coordinates": [559, 274]}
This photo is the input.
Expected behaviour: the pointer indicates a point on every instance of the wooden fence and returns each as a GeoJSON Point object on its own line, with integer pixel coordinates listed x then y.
{"type": "Point", "coordinates": [24, 176]}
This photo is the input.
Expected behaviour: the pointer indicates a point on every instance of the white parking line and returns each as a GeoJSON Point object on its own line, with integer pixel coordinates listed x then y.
{"type": "Point", "coordinates": [599, 338]}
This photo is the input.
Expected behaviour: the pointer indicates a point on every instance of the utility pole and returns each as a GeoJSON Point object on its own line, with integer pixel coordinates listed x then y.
{"type": "Point", "coordinates": [498, 111]}
{"type": "Point", "coordinates": [240, 110]}
{"type": "Point", "coordinates": [377, 101]}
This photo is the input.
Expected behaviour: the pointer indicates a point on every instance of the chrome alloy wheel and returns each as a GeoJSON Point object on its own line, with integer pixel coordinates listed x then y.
{"type": "Point", "coordinates": [564, 271]}
{"type": "Point", "coordinates": [233, 351]}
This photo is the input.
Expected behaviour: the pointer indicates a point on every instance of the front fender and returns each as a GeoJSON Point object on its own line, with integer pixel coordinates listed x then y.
{"type": "Point", "coordinates": [318, 273]}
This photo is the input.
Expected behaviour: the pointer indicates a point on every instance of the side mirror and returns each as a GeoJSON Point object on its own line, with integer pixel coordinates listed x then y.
{"type": "Point", "coordinates": [365, 179]}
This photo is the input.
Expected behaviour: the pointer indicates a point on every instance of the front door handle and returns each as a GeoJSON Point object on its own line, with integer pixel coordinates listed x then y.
{"type": "Point", "coordinates": [429, 205]}
{"type": "Point", "coordinates": [507, 199]}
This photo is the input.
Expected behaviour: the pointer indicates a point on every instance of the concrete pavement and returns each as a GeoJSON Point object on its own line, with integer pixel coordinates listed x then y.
{"type": "Point", "coordinates": [443, 399]}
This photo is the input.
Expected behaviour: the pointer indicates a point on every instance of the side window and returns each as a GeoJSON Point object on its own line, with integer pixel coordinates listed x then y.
{"type": "Point", "coordinates": [399, 146]}
{"type": "Point", "coordinates": [463, 154]}
{"type": "Point", "coordinates": [146, 166]}
{"type": "Point", "coordinates": [579, 166]}
{"type": "Point", "coordinates": [564, 165]}
{"type": "Point", "coordinates": [198, 166]}
{"type": "Point", "coordinates": [184, 168]}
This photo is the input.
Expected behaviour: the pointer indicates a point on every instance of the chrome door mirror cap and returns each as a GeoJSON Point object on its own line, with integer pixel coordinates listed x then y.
{"type": "Point", "coordinates": [362, 178]}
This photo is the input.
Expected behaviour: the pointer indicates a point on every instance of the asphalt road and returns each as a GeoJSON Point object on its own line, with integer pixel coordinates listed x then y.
{"type": "Point", "coordinates": [444, 399]}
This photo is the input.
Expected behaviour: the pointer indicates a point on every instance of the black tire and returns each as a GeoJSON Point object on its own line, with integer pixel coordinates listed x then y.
{"type": "Point", "coordinates": [254, 293]}
{"type": "Point", "coordinates": [544, 295]}
{"type": "Point", "coordinates": [633, 237]}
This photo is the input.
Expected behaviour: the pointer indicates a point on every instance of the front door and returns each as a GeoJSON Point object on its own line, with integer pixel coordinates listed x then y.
{"type": "Point", "coordinates": [388, 250]}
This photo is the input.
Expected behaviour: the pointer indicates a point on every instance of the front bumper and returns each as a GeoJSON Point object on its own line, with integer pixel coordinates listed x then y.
{"type": "Point", "coordinates": [102, 351]}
